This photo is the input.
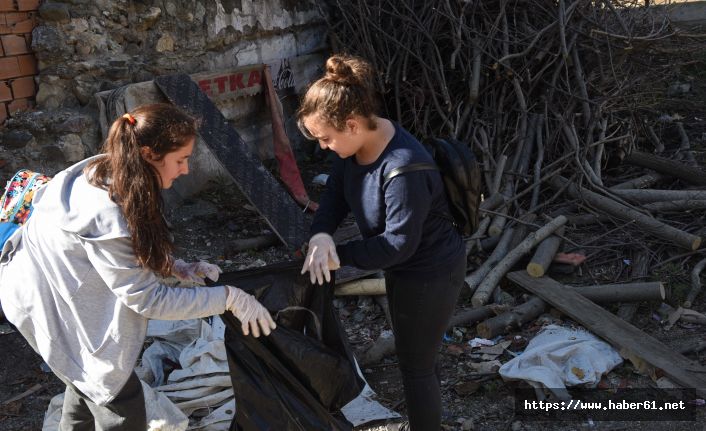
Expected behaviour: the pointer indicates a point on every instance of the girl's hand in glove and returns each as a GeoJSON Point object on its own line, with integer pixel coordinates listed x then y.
{"type": "Point", "coordinates": [252, 315]}
{"type": "Point", "coordinates": [195, 271]}
{"type": "Point", "coordinates": [321, 258]}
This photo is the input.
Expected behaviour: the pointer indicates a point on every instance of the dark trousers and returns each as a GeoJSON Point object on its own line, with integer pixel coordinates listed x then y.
{"type": "Point", "coordinates": [125, 413]}
{"type": "Point", "coordinates": [421, 306]}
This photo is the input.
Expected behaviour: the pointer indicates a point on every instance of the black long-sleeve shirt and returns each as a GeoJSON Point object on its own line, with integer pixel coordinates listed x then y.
{"type": "Point", "coordinates": [399, 231]}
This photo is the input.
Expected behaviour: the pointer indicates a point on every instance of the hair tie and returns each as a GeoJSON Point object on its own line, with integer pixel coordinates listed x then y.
{"type": "Point", "coordinates": [129, 118]}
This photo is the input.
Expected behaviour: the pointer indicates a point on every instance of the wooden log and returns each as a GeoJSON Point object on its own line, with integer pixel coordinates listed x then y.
{"type": "Point", "coordinates": [512, 319]}
{"type": "Point", "coordinates": [474, 241]}
{"type": "Point", "coordinates": [629, 340]}
{"type": "Point", "coordinates": [690, 174]}
{"type": "Point", "coordinates": [618, 210]}
{"type": "Point", "coordinates": [671, 206]}
{"type": "Point", "coordinates": [472, 315]}
{"type": "Point", "coordinates": [695, 283]}
{"type": "Point", "coordinates": [365, 286]}
{"type": "Point", "coordinates": [498, 253]}
{"type": "Point", "coordinates": [497, 225]}
{"type": "Point", "coordinates": [488, 244]}
{"type": "Point", "coordinates": [492, 202]}
{"type": "Point", "coordinates": [383, 346]}
{"type": "Point", "coordinates": [640, 269]}
{"type": "Point", "coordinates": [623, 292]}
{"type": "Point", "coordinates": [642, 182]}
{"type": "Point", "coordinates": [522, 229]}
{"type": "Point", "coordinates": [586, 219]}
{"type": "Point", "coordinates": [645, 196]}
{"type": "Point", "coordinates": [485, 289]}
{"type": "Point", "coordinates": [497, 178]}
{"type": "Point", "coordinates": [544, 255]}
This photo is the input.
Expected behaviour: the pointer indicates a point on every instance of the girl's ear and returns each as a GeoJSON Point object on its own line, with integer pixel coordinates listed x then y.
{"type": "Point", "coordinates": [147, 154]}
{"type": "Point", "coordinates": [352, 125]}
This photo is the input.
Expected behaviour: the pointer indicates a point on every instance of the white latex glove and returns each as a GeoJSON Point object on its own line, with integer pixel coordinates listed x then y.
{"type": "Point", "coordinates": [321, 258]}
{"type": "Point", "coordinates": [195, 271]}
{"type": "Point", "coordinates": [252, 315]}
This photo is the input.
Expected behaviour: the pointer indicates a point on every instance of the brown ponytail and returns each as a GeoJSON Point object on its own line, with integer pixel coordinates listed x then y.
{"type": "Point", "coordinates": [346, 89]}
{"type": "Point", "coordinates": [134, 184]}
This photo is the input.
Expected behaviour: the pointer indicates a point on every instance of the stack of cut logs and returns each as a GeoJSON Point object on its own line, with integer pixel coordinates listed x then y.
{"type": "Point", "coordinates": [561, 102]}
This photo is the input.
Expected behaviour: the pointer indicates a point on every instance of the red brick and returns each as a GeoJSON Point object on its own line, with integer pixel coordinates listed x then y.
{"type": "Point", "coordinates": [25, 26]}
{"type": "Point", "coordinates": [23, 87]}
{"type": "Point", "coordinates": [9, 67]}
{"type": "Point", "coordinates": [19, 105]}
{"type": "Point", "coordinates": [15, 17]}
{"type": "Point", "coordinates": [27, 4]}
{"type": "Point", "coordinates": [5, 93]}
{"type": "Point", "coordinates": [3, 113]}
{"type": "Point", "coordinates": [2, 51]}
{"type": "Point", "coordinates": [14, 44]}
{"type": "Point", "coordinates": [27, 64]}
{"type": "Point", "coordinates": [6, 5]}
{"type": "Point", "coordinates": [3, 21]}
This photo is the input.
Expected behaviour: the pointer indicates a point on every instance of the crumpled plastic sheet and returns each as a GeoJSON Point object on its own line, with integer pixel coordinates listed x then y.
{"type": "Point", "coordinates": [200, 395]}
{"type": "Point", "coordinates": [559, 357]}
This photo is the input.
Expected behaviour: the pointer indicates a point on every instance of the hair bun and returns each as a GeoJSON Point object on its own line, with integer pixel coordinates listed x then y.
{"type": "Point", "coordinates": [347, 70]}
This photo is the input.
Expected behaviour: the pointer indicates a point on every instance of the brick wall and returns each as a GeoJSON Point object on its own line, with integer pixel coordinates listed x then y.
{"type": "Point", "coordinates": [17, 63]}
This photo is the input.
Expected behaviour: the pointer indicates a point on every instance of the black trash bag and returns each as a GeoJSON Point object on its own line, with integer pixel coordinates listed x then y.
{"type": "Point", "coordinates": [299, 376]}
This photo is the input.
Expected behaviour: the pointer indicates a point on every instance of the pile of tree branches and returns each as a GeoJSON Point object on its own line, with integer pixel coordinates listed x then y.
{"type": "Point", "coordinates": [551, 95]}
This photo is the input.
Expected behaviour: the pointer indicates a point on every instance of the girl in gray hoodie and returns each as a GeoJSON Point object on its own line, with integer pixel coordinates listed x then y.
{"type": "Point", "coordinates": [81, 278]}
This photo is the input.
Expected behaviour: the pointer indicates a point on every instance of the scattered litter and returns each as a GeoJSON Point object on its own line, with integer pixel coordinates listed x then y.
{"type": "Point", "coordinates": [574, 259]}
{"type": "Point", "coordinates": [558, 357]}
{"type": "Point", "coordinates": [486, 367]}
{"type": "Point", "coordinates": [478, 342]}
{"type": "Point", "coordinates": [320, 180]}
{"type": "Point", "coordinates": [455, 335]}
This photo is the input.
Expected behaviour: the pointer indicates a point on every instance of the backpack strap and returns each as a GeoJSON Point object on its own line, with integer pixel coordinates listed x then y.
{"type": "Point", "coordinates": [413, 168]}
{"type": "Point", "coordinates": [409, 168]}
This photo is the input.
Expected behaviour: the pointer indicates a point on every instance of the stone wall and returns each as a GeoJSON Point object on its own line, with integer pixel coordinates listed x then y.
{"type": "Point", "coordinates": [85, 47]}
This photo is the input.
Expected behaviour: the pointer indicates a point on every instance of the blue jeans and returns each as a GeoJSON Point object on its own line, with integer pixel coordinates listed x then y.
{"type": "Point", "coordinates": [421, 306]}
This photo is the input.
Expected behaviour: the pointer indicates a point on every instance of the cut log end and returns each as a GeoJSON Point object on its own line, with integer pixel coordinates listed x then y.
{"type": "Point", "coordinates": [535, 270]}
{"type": "Point", "coordinates": [696, 243]}
{"type": "Point", "coordinates": [662, 292]}
{"type": "Point", "coordinates": [494, 231]}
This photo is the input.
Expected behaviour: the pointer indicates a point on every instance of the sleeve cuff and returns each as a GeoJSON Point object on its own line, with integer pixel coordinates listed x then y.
{"type": "Point", "coordinates": [344, 255]}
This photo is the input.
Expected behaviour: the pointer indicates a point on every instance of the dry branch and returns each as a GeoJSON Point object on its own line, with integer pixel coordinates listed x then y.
{"type": "Point", "coordinates": [485, 289]}
{"type": "Point", "coordinates": [618, 210]}
{"type": "Point", "coordinates": [544, 255]}
{"type": "Point", "coordinates": [690, 174]}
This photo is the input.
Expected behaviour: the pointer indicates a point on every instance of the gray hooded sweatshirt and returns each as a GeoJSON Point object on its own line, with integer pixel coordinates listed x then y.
{"type": "Point", "coordinates": [71, 284]}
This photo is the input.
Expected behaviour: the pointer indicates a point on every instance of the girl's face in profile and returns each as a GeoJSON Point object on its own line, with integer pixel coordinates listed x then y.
{"type": "Point", "coordinates": [172, 165]}
{"type": "Point", "coordinates": [344, 142]}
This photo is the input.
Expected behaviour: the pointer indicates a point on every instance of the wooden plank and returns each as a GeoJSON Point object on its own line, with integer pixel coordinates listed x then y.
{"type": "Point", "coordinates": [258, 185]}
{"type": "Point", "coordinates": [630, 341]}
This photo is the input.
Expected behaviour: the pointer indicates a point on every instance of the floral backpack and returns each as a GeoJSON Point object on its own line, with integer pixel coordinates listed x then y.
{"type": "Point", "coordinates": [16, 202]}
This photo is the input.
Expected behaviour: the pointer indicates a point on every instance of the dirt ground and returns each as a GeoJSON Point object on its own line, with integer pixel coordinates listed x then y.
{"type": "Point", "coordinates": [206, 225]}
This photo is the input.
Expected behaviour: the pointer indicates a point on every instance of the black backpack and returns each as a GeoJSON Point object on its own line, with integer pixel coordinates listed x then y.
{"type": "Point", "coordinates": [462, 180]}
